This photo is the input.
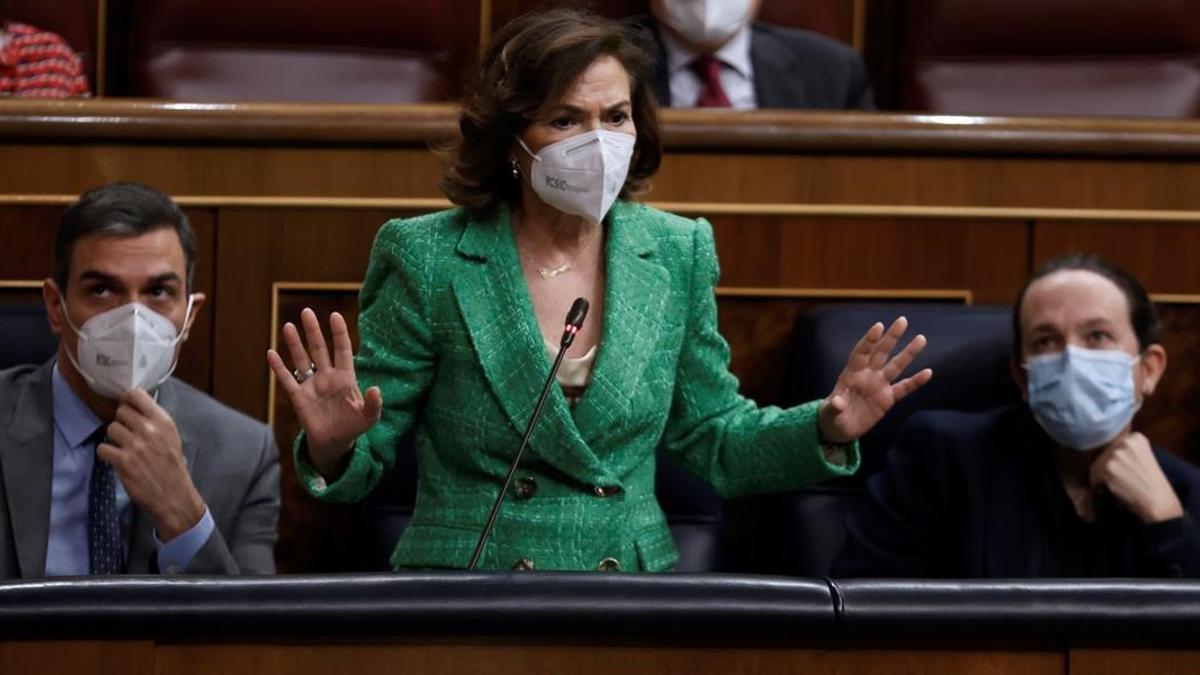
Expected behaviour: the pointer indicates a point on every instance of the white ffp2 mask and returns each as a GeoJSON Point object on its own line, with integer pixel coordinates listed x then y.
{"type": "Point", "coordinates": [707, 22]}
{"type": "Point", "coordinates": [127, 347]}
{"type": "Point", "coordinates": [582, 175]}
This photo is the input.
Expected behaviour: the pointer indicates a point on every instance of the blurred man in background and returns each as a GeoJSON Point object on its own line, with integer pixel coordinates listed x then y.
{"type": "Point", "coordinates": [713, 54]}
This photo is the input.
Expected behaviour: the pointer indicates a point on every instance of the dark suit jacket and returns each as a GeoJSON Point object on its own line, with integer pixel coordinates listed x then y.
{"type": "Point", "coordinates": [976, 495]}
{"type": "Point", "coordinates": [792, 69]}
{"type": "Point", "coordinates": [233, 460]}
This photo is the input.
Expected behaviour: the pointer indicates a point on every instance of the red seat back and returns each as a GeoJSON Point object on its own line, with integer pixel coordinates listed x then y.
{"type": "Point", "coordinates": [379, 51]}
{"type": "Point", "coordinates": [1053, 57]}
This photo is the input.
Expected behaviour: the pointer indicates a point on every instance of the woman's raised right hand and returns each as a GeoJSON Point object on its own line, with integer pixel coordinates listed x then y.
{"type": "Point", "coordinates": [324, 391]}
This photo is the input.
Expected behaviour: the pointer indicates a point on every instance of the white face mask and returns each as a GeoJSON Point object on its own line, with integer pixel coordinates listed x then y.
{"type": "Point", "coordinates": [127, 347]}
{"type": "Point", "coordinates": [706, 22]}
{"type": "Point", "coordinates": [582, 175]}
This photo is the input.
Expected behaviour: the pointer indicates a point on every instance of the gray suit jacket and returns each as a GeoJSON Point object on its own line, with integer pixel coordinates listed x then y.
{"type": "Point", "coordinates": [233, 460]}
{"type": "Point", "coordinates": [792, 69]}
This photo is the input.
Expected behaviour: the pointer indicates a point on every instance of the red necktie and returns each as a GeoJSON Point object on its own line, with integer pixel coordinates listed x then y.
{"type": "Point", "coordinates": [712, 94]}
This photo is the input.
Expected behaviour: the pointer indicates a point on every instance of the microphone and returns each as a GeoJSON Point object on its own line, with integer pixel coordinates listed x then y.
{"type": "Point", "coordinates": [575, 317]}
{"type": "Point", "coordinates": [573, 324]}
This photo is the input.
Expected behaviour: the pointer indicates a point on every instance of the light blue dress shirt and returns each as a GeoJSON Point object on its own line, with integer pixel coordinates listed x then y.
{"type": "Point", "coordinates": [67, 547]}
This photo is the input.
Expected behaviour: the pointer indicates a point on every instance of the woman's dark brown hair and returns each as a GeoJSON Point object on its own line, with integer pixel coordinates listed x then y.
{"type": "Point", "coordinates": [529, 67]}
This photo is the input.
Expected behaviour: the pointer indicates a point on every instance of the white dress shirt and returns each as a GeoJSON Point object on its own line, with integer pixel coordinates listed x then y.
{"type": "Point", "coordinates": [737, 72]}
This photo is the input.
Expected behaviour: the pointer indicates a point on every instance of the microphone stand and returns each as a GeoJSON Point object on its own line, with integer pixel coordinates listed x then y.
{"type": "Point", "coordinates": [579, 310]}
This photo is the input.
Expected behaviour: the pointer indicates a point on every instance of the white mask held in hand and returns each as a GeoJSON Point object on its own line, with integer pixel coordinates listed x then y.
{"type": "Point", "coordinates": [127, 347]}
{"type": "Point", "coordinates": [582, 175]}
{"type": "Point", "coordinates": [706, 22]}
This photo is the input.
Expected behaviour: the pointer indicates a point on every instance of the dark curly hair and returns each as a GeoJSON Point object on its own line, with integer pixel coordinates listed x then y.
{"type": "Point", "coordinates": [530, 65]}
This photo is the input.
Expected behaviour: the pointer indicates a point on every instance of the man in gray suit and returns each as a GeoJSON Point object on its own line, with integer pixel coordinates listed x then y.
{"type": "Point", "coordinates": [110, 465]}
{"type": "Point", "coordinates": [712, 53]}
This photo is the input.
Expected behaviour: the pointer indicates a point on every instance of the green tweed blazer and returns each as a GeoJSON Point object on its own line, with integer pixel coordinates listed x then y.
{"type": "Point", "coordinates": [449, 334]}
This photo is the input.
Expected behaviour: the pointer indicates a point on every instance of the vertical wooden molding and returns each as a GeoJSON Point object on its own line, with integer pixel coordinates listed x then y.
{"type": "Point", "coordinates": [271, 381]}
{"type": "Point", "coordinates": [860, 25]}
{"type": "Point", "coordinates": [485, 23]}
{"type": "Point", "coordinates": [101, 45]}
{"type": "Point", "coordinates": [1175, 298]}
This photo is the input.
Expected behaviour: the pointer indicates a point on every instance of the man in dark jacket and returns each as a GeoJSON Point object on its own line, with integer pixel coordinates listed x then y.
{"type": "Point", "coordinates": [713, 54]}
{"type": "Point", "coordinates": [1061, 486]}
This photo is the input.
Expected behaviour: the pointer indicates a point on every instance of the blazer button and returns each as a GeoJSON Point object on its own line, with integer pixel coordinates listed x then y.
{"type": "Point", "coordinates": [526, 488]}
{"type": "Point", "coordinates": [605, 490]}
{"type": "Point", "coordinates": [609, 565]}
{"type": "Point", "coordinates": [523, 565]}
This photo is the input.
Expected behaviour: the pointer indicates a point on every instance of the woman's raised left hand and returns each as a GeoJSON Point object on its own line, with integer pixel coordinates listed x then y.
{"type": "Point", "coordinates": [866, 389]}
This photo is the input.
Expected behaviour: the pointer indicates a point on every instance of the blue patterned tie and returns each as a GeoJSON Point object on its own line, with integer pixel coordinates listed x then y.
{"type": "Point", "coordinates": [105, 553]}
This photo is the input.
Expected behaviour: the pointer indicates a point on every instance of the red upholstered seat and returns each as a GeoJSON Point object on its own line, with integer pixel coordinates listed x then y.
{"type": "Point", "coordinates": [1053, 57]}
{"type": "Point", "coordinates": [379, 51]}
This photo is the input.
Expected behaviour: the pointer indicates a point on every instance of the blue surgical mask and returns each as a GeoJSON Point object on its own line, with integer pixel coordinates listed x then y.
{"type": "Point", "coordinates": [1083, 398]}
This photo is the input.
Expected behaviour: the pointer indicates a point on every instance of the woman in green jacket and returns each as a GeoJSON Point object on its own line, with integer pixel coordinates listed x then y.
{"type": "Point", "coordinates": [462, 311]}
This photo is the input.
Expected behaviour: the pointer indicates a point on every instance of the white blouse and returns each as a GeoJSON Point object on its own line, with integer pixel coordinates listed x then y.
{"type": "Point", "coordinates": [573, 374]}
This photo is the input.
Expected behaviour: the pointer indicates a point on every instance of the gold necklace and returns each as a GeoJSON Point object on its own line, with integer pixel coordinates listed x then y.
{"type": "Point", "coordinates": [543, 271]}
{"type": "Point", "coordinates": [548, 273]}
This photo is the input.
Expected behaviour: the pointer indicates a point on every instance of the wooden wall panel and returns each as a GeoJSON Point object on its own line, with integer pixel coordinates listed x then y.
{"type": "Point", "coordinates": [1169, 416]}
{"type": "Point", "coordinates": [212, 169]}
{"type": "Point", "coordinates": [27, 241]}
{"type": "Point", "coordinates": [1162, 255]}
{"type": "Point", "coordinates": [196, 365]}
{"type": "Point", "coordinates": [1128, 661]}
{"type": "Point", "coordinates": [687, 177]}
{"type": "Point", "coordinates": [989, 258]}
{"type": "Point", "coordinates": [820, 178]}
{"type": "Point", "coordinates": [462, 656]}
{"type": "Point", "coordinates": [259, 247]}
{"type": "Point", "coordinates": [81, 657]}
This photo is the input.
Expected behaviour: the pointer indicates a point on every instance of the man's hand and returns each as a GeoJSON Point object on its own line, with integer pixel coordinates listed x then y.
{"type": "Point", "coordinates": [145, 451]}
{"type": "Point", "coordinates": [1128, 469]}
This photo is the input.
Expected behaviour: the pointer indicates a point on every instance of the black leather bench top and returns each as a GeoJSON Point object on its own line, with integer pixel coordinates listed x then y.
{"type": "Point", "coordinates": [662, 608]}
